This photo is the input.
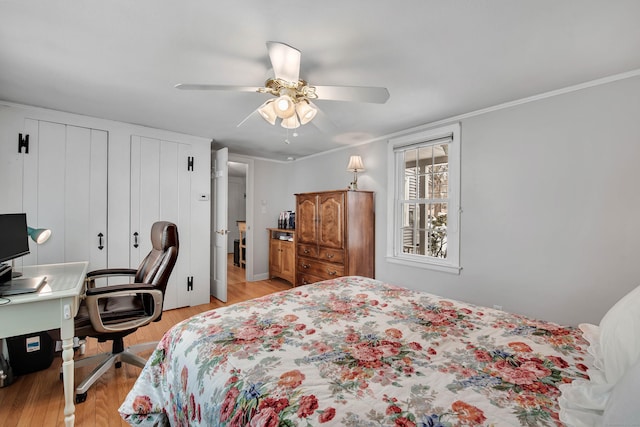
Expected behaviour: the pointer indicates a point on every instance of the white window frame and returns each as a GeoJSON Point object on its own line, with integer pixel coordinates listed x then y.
{"type": "Point", "coordinates": [395, 188]}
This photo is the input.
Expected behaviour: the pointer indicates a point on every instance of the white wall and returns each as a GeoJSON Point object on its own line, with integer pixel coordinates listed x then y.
{"type": "Point", "coordinates": [550, 207]}
{"type": "Point", "coordinates": [270, 196]}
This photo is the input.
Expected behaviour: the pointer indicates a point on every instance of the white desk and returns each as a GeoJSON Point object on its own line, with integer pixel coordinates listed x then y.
{"type": "Point", "coordinates": [53, 307]}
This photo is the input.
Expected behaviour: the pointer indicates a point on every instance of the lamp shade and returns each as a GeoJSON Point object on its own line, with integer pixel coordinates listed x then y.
{"type": "Point", "coordinates": [305, 111]}
{"type": "Point", "coordinates": [268, 112]}
{"type": "Point", "coordinates": [39, 235]}
{"type": "Point", "coordinates": [355, 164]}
{"type": "Point", "coordinates": [285, 107]}
{"type": "Point", "coordinates": [290, 123]}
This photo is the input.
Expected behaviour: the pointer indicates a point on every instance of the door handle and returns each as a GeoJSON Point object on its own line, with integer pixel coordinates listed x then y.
{"type": "Point", "coordinates": [222, 231]}
{"type": "Point", "coordinates": [100, 245]}
{"type": "Point", "coordinates": [135, 239]}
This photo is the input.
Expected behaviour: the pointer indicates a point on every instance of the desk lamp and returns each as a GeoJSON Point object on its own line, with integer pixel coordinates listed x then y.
{"type": "Point", "coordinates": [38, 235]}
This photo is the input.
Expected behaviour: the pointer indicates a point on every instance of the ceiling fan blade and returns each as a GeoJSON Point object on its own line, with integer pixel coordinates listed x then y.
{"type": "Point", "coordinates": [187, 86]}
{"type": "Point", "coordinates": [285, 61]}
{"type": "Point", "coordinates": [376, 95]}
{"type": "Point", "coordinates": [322, 122]}
{"type": "Point", "coordinates": [247, 118]}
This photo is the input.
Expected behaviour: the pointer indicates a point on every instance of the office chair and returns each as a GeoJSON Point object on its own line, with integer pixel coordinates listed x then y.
{"type": "Point", "coordinates": [110, 313]}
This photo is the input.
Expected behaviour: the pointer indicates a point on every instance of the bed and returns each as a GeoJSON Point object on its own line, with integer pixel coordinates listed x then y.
{"type": "Point", "coordinates": [358, 352]}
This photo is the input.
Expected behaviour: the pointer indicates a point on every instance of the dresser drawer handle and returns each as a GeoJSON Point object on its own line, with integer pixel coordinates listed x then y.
{"type": "Point", "coordinates": [305, 266]}
{"type": "Point", "coordinates": [329, 256]}
{"type": "Point", "coordinates": [331, 273]}
{"type": "Point", "coordinates": [306, 251]}
{"type": "Point", "coordinates": [304, 281]}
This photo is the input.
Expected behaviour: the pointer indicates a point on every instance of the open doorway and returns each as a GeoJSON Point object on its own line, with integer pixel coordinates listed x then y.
{"type": "Point", "coordinates": [239, 170]}
{"type": "Point", "coordinates": [237, 216]}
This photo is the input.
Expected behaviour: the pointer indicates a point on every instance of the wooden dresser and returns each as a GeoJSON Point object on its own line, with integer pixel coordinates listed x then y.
{"type": "Point", "coordinates": [334, 235]}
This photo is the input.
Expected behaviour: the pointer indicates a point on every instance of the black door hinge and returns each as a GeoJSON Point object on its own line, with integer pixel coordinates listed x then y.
{"type": "Point", "coordinates": [190, 163]}
{"type": "Point", "coordinates": [23, 142]}
{"type": "Point", "coordinates": [190, 283]}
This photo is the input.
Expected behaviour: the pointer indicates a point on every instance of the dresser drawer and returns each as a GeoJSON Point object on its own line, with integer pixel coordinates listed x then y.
{"type": "Point", "coordinates": [308, 250]}
{"type": "Point", "coordinates": [324, 270]}
{"type": "Point", "coordinates": [331, 255]}
{"type": "Point", "coordinates": [306, 279]}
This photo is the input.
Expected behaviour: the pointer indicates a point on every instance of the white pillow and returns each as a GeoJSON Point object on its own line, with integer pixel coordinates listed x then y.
{"type": "Point", "coordinates": [622, 408]}
{"type": "Point", "coordinates": [620, 336]}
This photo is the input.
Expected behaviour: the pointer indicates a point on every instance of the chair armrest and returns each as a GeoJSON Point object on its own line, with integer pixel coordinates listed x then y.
{"type": "Point", "coordinates": [107, 272]}
{"type": "Point", "coordinates": [129, 288]}
{"type": "Point", "coordinates": [93, 296]}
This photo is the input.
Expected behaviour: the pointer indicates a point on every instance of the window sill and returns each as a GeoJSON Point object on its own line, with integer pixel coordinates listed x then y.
{"type": "Point", "coordinates": [425, 264]}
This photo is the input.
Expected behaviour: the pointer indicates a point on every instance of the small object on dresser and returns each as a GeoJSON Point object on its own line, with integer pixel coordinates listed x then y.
{"type": "Point", "coordinates": [285, 220]}
{"type": "Point", "coordinates": [292, 220]}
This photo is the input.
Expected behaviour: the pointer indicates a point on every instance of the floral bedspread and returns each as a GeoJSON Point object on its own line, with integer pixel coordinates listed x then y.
{"type": "Point", "coordinates": [357, 352]}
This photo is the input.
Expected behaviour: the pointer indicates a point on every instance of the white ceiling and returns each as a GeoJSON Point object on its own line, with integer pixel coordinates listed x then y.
{"type": "Point", "coordinates": [120, 60]}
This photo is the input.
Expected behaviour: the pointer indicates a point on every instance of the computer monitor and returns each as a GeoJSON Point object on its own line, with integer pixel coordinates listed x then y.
{"type": "Point", "coordinates": [14, 238]}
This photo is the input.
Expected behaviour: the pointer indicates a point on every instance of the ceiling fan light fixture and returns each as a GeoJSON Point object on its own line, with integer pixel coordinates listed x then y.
{"type": "Point", "coordinates": [268, 112]}
{"type": "Point", "coordinates": [290, 122]}
{"type": "Point", "coordinates": [285, 107]}
{"type": "Point", "coordinates": [306, 111]}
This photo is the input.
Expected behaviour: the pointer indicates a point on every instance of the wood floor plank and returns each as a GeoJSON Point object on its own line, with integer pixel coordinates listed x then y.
{"type": "Point", "coordinates": [37, 399]}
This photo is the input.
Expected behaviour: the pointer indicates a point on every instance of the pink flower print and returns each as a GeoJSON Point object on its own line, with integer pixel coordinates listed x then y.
{"type": "Point", "coordinates": [415, 346]}
{"type": "Point", "coordinates": [327, 415]}
{"type": "Point", "coordinates": [278, 405]}
{"type": "Point", "coordinates": [520, 347]}
{"type": "Point", "coordinates": [266, 417]}
{"type": "Point", "coordinates": [393, 333]}
{"type": "Point", "coordinates": [290, 318]}
{"type": "Point", "coordinates": [558, 361]}
{"type": "Point", "coordinates": [142, 405]}
{"type": "Point", "coordinates": [184, 377]}
{"type": "Point", "coordinates": [228, 404]}
{"type": "Point", "coordinates": [308, 404]}
{"type": "Point", "coordinates": [364, 352]}
{"type": "Point", "coordinates": [483, 356]}
{"type": "Point", "coordinates": [352, 338]}
{"type": "Point", "coordinates": [249, 333]}
{"type": "Point", "coordinates": [291, 379]}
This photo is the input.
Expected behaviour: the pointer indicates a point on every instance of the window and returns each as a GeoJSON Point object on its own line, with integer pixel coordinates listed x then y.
{"type": "Point", "coordinates": [424, 204]}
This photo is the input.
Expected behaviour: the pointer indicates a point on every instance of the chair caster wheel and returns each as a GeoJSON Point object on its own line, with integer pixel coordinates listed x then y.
{"type": "Point", "coordinates": [81, 397]}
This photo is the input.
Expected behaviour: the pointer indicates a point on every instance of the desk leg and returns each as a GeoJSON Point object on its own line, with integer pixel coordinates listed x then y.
{"type": "Point", "coordinates": [67, 376]}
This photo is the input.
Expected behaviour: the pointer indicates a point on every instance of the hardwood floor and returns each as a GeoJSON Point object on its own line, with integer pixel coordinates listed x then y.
{"type": "Point", "coordinates": [37, 399]}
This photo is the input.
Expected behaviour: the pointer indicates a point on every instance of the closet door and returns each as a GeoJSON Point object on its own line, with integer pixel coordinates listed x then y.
{"type": "Point", "coordinates": [65, 190]}
{"type": "Point", "coordinates": [160, 191]}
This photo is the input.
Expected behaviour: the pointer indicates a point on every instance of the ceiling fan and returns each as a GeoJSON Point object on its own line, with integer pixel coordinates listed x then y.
{"type": "Point", "coordinates": [292, 102]}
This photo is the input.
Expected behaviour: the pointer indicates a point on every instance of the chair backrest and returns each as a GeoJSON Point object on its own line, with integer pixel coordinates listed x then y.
{"type": "Point", "coordinates": [156, 268]}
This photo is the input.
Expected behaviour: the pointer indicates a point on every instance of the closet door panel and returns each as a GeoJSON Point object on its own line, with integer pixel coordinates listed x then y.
{"type": "Point", "coordinates": [98, 200]}
{"type": "Point", "coordinates": [161, 190]}
{"type": "Point", "coordinates": [183, 265]}
{"type": "Point", "coordinates": [65, 190]}
{"type": "Point", "coordinates": [169, 210]}
{"type": "Point", "coordinates": [30, 188]}
{"type": "Point", "coordinates": [50, 193]}
{"type": "Point", "coordinates": [76, 196]}
{"type": "Point", "coordinates": [145, 195]}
